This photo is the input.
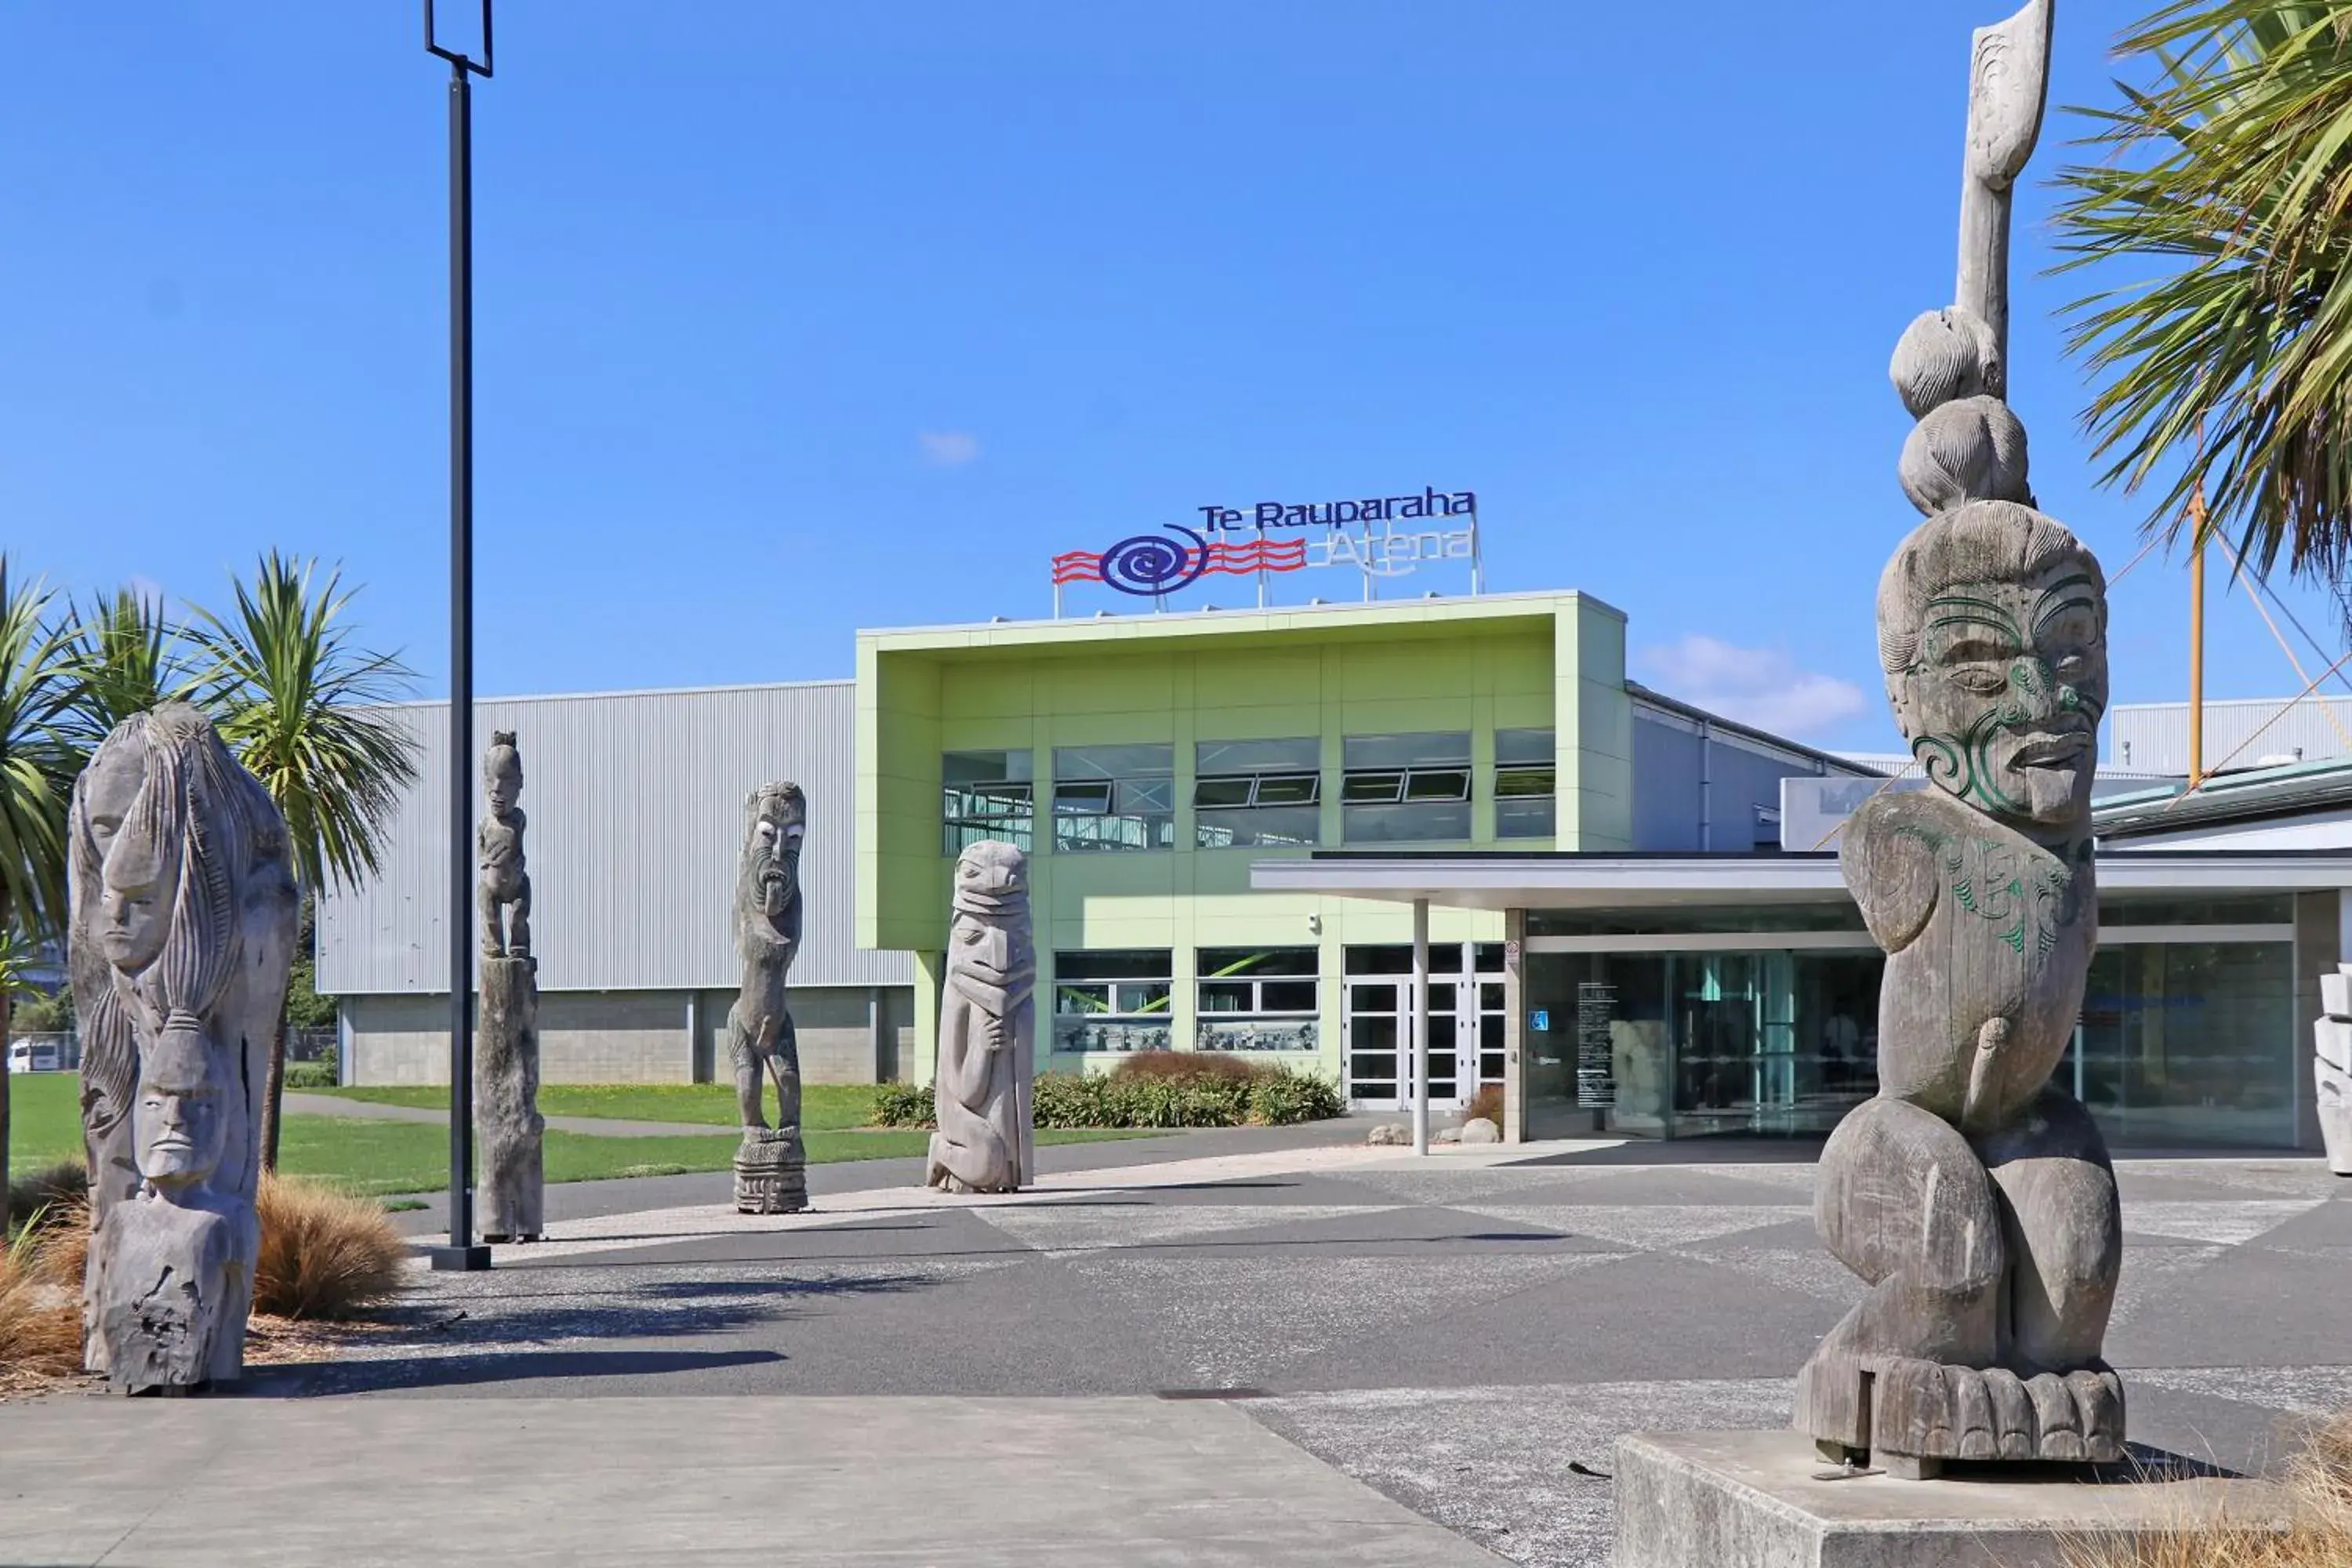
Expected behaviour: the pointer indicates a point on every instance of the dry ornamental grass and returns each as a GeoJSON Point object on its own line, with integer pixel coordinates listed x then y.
{"type": "Point", "coordinates": [2318, 1534]}
{"type": "Point", "coordinates": [323, 1255]}
{"type": "Point", "coordinates": [325, 1258]}
{"type": "Point", "coordinates": [41, 1301]}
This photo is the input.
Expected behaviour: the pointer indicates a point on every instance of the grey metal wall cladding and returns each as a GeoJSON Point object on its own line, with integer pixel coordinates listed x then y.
{"type": "Point", "coordinates": [635, 803]}
{"type": "Point", "coordinates": [2153, 737]}
{"type": "Point", "coordinates": [1682, 805]}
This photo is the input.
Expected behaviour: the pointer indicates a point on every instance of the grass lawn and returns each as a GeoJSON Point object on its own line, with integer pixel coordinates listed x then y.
{"type": "Point", "coordinates": [823, 1106]}
{"type": "Point", "coordinates": [377, 1158]}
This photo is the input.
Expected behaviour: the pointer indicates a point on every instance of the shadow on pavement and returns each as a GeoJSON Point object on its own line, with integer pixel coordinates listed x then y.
{"type": "Point", "coordinates": [322, 1379]}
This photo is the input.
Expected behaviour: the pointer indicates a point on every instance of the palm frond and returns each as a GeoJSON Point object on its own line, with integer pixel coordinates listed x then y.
{"type": "Point", "coordinates": [129, 657]}
{"type": "Point", "coordinates": [2220, 221]}
{"type": "Point", "coordinates": [38, 763]}
{"type": "Point", "coordinates": [300, 705]}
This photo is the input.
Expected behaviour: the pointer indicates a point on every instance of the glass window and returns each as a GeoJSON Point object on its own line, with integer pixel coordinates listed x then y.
{"type": "Point", "coordinates": [1257, 999]}
{"type": "Point", "coordinates": [988, 795]}
{"type": "Point", "coordinates": [1112, 999]}
{"type": "Point", "coordinates": [2276, 910]}
{"type": "Point", "coordinates": [1525, 784]}
{"type": "Point", "coordinates": [1114, 799]}
{"type": "Point", "coordinates": [2188, 1043]}
{"type": "Point", "coordinates": [1406, 789]}
{"type": "Point", "coordinates": [1523, 746]}
{"type": "Point", "coordinates": [1838, 916]}
{"type": "Point", "coordinates": [1261, 793]}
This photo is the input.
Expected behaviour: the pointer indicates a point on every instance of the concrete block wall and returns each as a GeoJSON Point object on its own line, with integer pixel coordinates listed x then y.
{"type": "Point", "coordinates": [639, 1037]}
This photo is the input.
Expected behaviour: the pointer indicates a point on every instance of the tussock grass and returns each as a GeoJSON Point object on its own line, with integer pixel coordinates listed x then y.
{"type": "Point", "coordinates": [324, 1254]}
{"type": "Point", "coordinates": [2318, 1534]}
{"type": "Point", "coordinates": [40, 1300]}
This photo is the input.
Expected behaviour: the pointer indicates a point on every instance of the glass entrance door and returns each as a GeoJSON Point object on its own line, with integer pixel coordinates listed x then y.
{"type": "Point", "coordinates": [1465, 1018]}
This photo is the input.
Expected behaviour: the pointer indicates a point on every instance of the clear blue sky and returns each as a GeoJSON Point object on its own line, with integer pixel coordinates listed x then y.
{"type": "Point", "coordinates": [795, 318]}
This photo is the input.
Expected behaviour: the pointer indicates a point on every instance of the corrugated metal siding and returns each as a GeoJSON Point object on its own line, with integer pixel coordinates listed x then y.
{"type": "Point", "coordinates": [635, 808]}
{"type": "Point", "coordinates": [2153, 737]}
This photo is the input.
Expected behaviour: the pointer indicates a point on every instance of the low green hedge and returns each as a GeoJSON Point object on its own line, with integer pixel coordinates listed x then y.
{"type": "Point", "coordinates": [1275, 1098]}
{"type": "Point", "coordinates": [311, 1075]}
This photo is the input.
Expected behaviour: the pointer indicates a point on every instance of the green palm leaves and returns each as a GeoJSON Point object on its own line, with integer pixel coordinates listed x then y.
{"type": "Point", "coordinates": [294, 700]}
{"type": "Point", "coordinates": [37, 758]}
{"type": "Point", "coordinates": [2223, 212]}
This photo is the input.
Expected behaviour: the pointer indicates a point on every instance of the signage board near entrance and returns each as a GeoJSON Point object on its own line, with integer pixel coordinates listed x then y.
{"type": "Point", "coordinates": [1596, 1077]}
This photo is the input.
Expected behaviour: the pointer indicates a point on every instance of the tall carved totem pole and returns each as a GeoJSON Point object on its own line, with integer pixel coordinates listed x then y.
{"type": "Point", "coordinates": [180, 938]}
{"type": "Point", "coordinates": [507, 1127]}
{"type": "Point", "coordinates": [987, 1015]}
{"type": "Point", "coordinates": [1974, 1195]}
{"type": "Point", "coordinates": [772, 1163]}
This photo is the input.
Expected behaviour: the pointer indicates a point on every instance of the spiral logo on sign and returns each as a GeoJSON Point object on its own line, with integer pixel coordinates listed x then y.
{"type": "Point", "coordinates": [1146, 564]}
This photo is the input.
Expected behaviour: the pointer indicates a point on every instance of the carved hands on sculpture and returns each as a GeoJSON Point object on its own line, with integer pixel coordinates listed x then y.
{"type": "Point", "coordinates": [1979, 1111]}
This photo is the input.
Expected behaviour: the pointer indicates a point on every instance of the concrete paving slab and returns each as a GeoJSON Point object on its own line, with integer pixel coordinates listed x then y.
{"type": "Point", "coordinates": [619, 1483]}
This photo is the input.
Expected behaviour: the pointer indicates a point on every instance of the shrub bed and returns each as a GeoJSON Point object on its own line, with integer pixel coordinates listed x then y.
{"type": "Point", "coordinates": [1160, 1088]}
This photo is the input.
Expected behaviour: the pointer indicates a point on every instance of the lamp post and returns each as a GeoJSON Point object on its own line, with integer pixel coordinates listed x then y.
{"type": "Point", "coordinates": [463, 1252]}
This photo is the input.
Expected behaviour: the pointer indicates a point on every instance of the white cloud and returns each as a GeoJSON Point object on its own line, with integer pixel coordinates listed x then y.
{"type": "Point", "coordinates": [1762, 687]}
{"type": "Point", "coordinates": [949, 448]}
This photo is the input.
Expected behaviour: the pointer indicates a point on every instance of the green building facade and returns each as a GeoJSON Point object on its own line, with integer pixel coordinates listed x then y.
{"type": "Point", "coordinates": [1147, 762]}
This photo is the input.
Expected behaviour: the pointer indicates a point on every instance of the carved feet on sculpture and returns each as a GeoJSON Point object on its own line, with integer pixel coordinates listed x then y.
{"type": "Point", "coordinates": [1920, 1414]}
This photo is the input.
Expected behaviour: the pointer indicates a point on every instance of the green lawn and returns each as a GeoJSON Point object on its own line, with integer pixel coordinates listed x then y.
{"type": "Point", "coordinates": [377, 1158]}
{"type": "Point", "coordinates": [823, 1106]}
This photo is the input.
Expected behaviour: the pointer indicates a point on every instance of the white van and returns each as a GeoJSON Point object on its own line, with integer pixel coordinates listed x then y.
{"type": "Point", "coordinates": [35, 1055]}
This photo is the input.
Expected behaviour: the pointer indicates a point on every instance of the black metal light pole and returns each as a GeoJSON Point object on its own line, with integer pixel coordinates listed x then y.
{"type": "Point", "coordinates": [463, 1252]}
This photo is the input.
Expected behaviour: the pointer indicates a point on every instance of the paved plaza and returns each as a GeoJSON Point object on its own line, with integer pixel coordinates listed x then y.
{"type": "Point", "coordinates": [1209, 1349]}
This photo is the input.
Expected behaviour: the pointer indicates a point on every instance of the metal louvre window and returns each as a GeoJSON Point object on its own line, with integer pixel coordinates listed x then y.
{"type": "Point", "coordinates": [1257, 999]}
{"type": "Point", "coordinates": [1264, 794]}
{"type": "Point", "coordinates": [987, 795]}
{"type": "Point", "coordinates": [1114, 799]}
{"type": "Point", "coordinates": [1113, 999]}
{"type": "Point", "coordinates": [1526, 784]}
{"type": "Point", "coordinates": [1406, 788]}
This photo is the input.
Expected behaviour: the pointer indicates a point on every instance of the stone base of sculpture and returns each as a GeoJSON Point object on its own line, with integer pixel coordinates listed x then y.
{"type": "Point", "coordinates": [2331, 1066]}
{"type": "Point", "coordinates": [771, 1172]}
{"type": "Point", "coordinates": [1764, 1499]}
{"type": "Point", "coordinates": [507, 1126]}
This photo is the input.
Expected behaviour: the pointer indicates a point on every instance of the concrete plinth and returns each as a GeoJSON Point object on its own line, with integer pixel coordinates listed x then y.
{"type": "Point", "coordinates": [1756, 1499]}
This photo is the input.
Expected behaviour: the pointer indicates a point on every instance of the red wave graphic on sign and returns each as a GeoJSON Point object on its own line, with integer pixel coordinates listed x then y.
{"type": "Point", "coordinates": [1231, 560]}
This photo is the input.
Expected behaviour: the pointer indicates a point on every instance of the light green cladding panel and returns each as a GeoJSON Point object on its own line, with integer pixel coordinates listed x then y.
{"type": "Point", "coordinates": [1595, 728]}
{"type": "Point", "coordinates": [901, 874]}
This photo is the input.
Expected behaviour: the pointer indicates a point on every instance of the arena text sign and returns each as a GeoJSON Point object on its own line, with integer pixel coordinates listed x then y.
{"type": "Point", "coordinates": [1361, 535]}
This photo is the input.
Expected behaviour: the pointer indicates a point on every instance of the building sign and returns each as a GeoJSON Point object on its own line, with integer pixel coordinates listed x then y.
{"type": "Point", "coordinates": [1382, 536]}
{"type": "Point", "coordinates": [1596, 1067]}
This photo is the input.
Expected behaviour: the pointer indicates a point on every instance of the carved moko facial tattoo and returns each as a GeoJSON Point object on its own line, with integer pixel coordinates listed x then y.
{"type": "Point", "coordinates": [1992, 628]}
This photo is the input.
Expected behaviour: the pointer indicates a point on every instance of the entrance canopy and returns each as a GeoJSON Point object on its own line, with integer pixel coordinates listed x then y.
{"type": "Point", "coordinates": [1575, 880]}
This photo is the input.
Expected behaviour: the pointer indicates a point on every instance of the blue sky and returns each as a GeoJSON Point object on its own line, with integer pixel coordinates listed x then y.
{"type": "Point", "coordinates": [800, 319]}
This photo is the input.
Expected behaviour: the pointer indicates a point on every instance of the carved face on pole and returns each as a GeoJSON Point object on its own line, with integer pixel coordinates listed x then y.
{"type": "Point", "coordinates": [502, 772]}
{"type": "Point", "coordinates": [1992, 629]}
{"type": "Point", "coordinates": [176, 1119]}
{"type": "Point", "coordinates": [992, 892]}
{"type": "Point", "coordinates": [779, 818]}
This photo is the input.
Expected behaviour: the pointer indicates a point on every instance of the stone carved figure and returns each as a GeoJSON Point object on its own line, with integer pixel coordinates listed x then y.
{"type": "Point", "coordinates": [986, 1063]}
{"type": "Point", "coordinates": [2332, 1065]}
{"type": "Point", "coordinates": [503, 888]}
{"type": "Point", "coordinates": [509, 1129]}
{"type": "Point", "coordinates": [770, 1175]}
{"type": "Point", "coordinates": [181, 936]}
{"type": "Point", "coordinates": [1973, 1194]}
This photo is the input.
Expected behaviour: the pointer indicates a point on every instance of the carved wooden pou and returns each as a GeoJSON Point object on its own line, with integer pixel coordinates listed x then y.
{"type": "Point", "coordinates": [182, 932]}
{"type": "Point", "coordinates": [509, 1129]}
{"type": "Point", "coordinates": [982, 1089]}
{"type": "Point", "coordinates": [770, 1165]}
{"type": "Point", "coordinates": [1974, 1196]}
